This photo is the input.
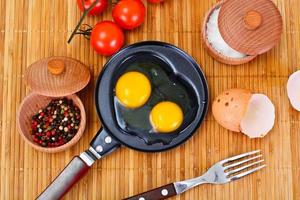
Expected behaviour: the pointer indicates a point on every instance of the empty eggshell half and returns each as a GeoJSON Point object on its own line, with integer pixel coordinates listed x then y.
{"type": "Point", "coordinates": [260, 116]}
{"type": "Point", "coordinates": [293, 90]}
{"type": "Point", "coordinates": [241, 111]}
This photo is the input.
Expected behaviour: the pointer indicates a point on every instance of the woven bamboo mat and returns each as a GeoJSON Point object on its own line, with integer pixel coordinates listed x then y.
{"type": "Point", "coordinates": [34, 29]}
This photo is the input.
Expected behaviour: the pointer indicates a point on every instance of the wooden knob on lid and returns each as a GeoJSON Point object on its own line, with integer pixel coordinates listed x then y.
{"type": "Point", "coordinates": [252, 20]}
{"type": "Point", "coordinates": [56, 66]}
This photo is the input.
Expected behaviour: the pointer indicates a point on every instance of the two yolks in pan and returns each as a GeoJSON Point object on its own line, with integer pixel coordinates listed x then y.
{"type": "Point", "coordinates": [133, 89]}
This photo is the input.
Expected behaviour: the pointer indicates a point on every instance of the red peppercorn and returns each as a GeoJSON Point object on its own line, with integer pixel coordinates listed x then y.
{"type": "Point", "coordinates": [34, 123]}
{"type": "Point", "coordinates": [35, 139]}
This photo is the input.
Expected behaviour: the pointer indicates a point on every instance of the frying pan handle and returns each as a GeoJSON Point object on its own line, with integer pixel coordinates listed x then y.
{"type": "Point", "coordinates": [72, 173]}
{"type": "Point", "coordinates": [102, 145]}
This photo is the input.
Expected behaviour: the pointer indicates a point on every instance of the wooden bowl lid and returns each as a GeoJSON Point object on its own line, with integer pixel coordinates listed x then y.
{"type": "Point", "coordinates": [251, 27]}
{"type": "Point", "coordinates": [57, 76]}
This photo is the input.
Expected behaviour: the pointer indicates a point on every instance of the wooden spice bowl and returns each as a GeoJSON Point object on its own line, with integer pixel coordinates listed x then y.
{"type": "Point", "coordinates": [31, 105]}
{"type": "Point", "coordinates": [218, 56]}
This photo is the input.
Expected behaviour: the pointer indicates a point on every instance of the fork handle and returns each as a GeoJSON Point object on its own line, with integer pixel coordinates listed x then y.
{"type": "Point", "coordinates": [160, 193]}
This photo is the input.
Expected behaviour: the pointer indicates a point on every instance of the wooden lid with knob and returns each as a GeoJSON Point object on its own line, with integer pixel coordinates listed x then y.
{"type": "Point", "coordinates": [57, 76]}
{"type": "Point", "coordinates": [251, 27]}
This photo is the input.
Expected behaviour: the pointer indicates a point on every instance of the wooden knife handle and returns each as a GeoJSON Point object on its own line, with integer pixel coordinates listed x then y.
{"type": "Point", "coordinates": [160, 193]}
{"type": "Point", "coordinates": [72, 173]}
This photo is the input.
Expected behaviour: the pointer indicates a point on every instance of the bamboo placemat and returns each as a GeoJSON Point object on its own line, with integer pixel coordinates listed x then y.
{"type": "Point", "coordinates": [34, 29]}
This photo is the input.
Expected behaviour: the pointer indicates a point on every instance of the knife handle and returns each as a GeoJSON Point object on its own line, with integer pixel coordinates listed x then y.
{"type": "Point", "coordinates": [160, 193]}
{"type": "Point", "coordinates": [72, 173]}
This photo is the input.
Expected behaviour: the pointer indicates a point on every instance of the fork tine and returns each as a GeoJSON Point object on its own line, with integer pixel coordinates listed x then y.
{"type": "Point", "coordinates": [245, 167]}
{"type": "Point", "coordinates": [246, 173]}
{"type": "Point", "coordinates": [241, 162]}
{"type": "Point", "coordinates": [239, 156]}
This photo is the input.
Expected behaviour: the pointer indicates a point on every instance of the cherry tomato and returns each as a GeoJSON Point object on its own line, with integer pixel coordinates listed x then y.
{"type": "Point", "coordinates": [129, 14]}
{"type": "Point", "coordinates": [98, 9]}
{"type": "Point", "coordinates": [155, 1]}
{"type": "Point", "coordinates": [107, 38]}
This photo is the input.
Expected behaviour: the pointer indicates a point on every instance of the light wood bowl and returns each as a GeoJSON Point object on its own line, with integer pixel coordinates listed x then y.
{"type": "Point", "coordinates": [73, 77]}
{"type": "Point", "coordinates": [30, 106]}
{"type": "Point", "coordinates": [219, 57]}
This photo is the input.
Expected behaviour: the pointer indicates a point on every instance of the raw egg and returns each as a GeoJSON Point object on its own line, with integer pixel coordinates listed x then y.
{"type": "Point", "coordinates": [166, 117]}
{"type": "Point", "coordinates": [133, 89]}
{"type": "Point", "coordinates": [240, 110]}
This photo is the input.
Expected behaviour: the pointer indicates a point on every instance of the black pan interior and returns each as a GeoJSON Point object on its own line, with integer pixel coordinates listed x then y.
{"type": "Point", "coordinates": [177, 65]}
{"type": "Point", "coordinates": [136, 121]}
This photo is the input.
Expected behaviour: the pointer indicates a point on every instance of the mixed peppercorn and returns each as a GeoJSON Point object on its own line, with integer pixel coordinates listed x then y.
{"type": "Point", "coordinates": [56, 124]}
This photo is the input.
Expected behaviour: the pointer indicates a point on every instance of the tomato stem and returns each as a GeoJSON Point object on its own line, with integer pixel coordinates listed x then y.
{"type": "Point", "coordinates": [114, 2]}
{"type": "Point", "coordinates": [85, 32]}
{"type": "Point", "coordinates": [85, 12]}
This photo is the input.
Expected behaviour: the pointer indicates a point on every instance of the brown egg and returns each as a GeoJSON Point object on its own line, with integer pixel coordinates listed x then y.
{"type": "Point", "coordinates": [230, 107]}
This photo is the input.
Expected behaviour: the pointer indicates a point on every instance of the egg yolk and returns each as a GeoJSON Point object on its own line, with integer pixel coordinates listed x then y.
{"type": "Point", "coordinates": [133, 89]}
{"type": "Point", "coordinates": [166, 117]}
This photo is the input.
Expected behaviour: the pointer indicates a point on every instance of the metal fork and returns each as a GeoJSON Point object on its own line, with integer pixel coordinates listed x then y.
{"type": "Point", "coordinates": [222, 172]}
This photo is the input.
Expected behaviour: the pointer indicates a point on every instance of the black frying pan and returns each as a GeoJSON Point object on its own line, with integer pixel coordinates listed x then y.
{"type": "Point", "coordinates": [111, 136]}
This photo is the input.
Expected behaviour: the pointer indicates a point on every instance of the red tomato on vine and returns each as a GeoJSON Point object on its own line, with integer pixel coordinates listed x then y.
{"type": "Point", "coordinates": [129, 14]}
{"type": "Point", "coordinates": [107, 38]}
{"type": "Point", "coordinates": [98, 8]}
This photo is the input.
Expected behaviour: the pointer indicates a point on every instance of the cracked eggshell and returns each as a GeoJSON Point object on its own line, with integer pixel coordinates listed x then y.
{"type": "Point", "coordinates": [241, 111]}
{"type": "Point", "coordinates": [293, 90]}
{"type": "Point", "coordinates": [259, 118]}
{"type": "Point", "coordinates": [230, 107]}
